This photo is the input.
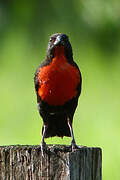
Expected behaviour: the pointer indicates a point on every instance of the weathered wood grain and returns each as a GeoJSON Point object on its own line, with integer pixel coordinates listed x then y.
{"type": "Point", "coordinates": [21, 162]}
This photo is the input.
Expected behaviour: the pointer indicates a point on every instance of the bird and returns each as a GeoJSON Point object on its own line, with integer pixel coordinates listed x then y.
{"type": "Point", "coordinates": [58, 84]}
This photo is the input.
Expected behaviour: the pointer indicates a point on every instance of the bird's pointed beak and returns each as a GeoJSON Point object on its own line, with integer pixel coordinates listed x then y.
{"type": "Point", "coordinates": [59, 41]}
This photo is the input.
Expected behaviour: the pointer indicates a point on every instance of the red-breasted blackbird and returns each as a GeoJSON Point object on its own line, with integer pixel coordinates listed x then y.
{"type": "Point", "coordinates": [58, 87]}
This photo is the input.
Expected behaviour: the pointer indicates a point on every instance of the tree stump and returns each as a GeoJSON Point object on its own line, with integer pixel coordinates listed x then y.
{"type": "Point", "coordinates": [25, 162]}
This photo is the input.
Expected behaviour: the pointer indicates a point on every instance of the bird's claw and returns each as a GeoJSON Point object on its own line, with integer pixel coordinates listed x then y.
{"type": "Point", "coordinates": [74, 146]}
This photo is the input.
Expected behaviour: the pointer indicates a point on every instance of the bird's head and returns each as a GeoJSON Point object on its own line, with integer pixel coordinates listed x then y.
{"type": "Point", "coordinates": [61, 43]}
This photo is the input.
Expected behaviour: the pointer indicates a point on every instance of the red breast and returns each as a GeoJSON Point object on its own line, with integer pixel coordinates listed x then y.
{"type": "Point", "coordinates": [58, 80]}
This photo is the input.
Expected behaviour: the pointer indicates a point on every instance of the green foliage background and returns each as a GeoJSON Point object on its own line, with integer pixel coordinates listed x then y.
{"type": "Point", "coordinates": [93, 27]}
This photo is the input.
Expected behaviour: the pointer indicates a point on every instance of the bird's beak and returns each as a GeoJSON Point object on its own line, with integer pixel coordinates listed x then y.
{"type": "Point", "coordinates": [58, 41]}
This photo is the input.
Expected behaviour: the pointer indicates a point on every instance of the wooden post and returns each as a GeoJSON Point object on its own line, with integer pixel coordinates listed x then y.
{"type": "Point", "coordinates": [21, 162]}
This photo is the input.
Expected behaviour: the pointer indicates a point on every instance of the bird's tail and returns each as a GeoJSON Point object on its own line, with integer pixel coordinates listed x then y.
{"type": "Point", "coordinates": [57, 126]}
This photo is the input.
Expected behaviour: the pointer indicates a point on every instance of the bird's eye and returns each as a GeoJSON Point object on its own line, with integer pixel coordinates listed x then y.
{"type": "Point", "coordinates": [52, 39]}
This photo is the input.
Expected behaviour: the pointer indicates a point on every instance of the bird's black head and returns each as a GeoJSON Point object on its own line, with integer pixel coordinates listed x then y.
{"type": "Point", "coordinates": [60, 39]}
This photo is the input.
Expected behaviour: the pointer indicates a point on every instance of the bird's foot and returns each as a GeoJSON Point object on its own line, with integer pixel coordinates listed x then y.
{"type": "Point", "coordinates": [73, 146]}
{"type": "Point", "coordinates": [43, 148]}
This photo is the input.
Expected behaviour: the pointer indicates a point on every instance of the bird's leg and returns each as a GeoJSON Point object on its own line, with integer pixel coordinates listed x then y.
{"type": "Point", "coordinates": [43, 144]}
{"type": "Point", "coordinates": [73, 143]}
